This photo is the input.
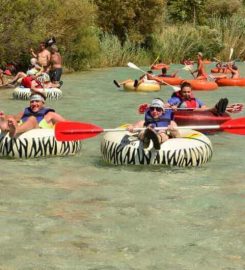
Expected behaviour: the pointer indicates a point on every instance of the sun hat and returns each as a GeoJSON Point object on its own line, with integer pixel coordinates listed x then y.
{"type": "Point", "coordinates": [157, 103]}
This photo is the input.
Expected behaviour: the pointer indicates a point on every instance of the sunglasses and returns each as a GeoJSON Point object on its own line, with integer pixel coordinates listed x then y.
{"type": "Point", "coordinates": [158, 109]}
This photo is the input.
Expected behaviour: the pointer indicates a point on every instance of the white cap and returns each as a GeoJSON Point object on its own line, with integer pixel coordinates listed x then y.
{"type": "Point", "coordinates": [33, 61]}
{"type": "Point", "coordinates": [157, 103]}
{"type": "Point", "coordinates": [32, 71]}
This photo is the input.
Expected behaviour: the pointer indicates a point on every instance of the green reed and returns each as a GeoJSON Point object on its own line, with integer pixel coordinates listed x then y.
{"type": "Point", "coordinates": [113, 53]}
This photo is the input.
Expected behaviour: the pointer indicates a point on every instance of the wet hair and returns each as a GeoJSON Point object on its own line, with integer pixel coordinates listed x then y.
{"type": "Point", "coordinates": [164, 70]}
{"type": "Point", "coordinates": [43, 43]}
{"type": "Point", "coordinates": [234, 67]}
{"type": "Point", "coordinates": [54, 47]}
{"type": "Point", "coordinates": [185, 84]}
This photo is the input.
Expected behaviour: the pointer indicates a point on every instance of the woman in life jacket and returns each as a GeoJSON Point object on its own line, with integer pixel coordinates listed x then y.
{"type": "Point", "coordinates": [156, 116]}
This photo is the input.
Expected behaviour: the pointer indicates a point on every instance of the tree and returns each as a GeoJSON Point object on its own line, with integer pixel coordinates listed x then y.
{"type": "Point", "coordinates": [135, 19]}
{"type": "Point", "coordinates": [185, 10]}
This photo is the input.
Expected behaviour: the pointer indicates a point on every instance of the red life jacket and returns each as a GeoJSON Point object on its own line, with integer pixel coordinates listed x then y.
{"type": "Point", "coordinates": [188, 103]}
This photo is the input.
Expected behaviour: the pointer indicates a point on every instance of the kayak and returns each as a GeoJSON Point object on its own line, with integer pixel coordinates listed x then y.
{"type": "Point", "coordinates": [199, 118]}
{"type": "Point", "coordinates": [159, 66]}
{"type": "Point", "coordinates": [206, 61]}
{"type": "Point", "coordinates": [220, 70]}
{"type": "Point", "coordinates": [230, 82]}
{"type": "Point", "coordinates": [170, 80]}
{"type": "Point", "coordinates": [202, 85]}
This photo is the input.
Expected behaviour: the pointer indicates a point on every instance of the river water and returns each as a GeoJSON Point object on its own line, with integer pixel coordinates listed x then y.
{"type": "Point", "coordinates": [77, 212]}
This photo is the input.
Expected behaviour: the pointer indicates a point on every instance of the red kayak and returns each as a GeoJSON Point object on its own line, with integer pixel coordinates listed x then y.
{"type": "Point", "coordinates": [202, 85]}
{"type": "Point", "coordinates": [230, 82]}
{"type": "Point", "coordinates": [170, 80]}
{"type": "Point", "coordinates": [159, 66]}
{"type": "Point", "coordinates": [220, 70]}
{"type": "Point", "coordinates": [199, 118]}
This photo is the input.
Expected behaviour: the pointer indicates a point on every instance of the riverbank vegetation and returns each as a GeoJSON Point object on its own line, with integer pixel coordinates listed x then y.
{"type": "Point", "coordinates": [106, 33]}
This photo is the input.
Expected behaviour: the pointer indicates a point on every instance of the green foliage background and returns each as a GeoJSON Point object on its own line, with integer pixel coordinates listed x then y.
{"type": "Point", "coordinates": [100, 33]}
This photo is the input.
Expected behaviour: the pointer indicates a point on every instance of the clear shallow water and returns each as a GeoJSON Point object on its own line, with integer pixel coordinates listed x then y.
{"type": "Point", "coordinates": [80, 213]}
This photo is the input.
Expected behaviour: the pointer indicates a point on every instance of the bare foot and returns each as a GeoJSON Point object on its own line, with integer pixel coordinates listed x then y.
{"type": "Point", "coordinates": [2, 116]}
{"type": "Point", "coordinates": [12, 124]}
{"type": "Point", "coordinates": [4, 127]}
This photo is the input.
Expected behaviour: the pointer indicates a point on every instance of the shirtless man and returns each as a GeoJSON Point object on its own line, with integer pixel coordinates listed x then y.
{"type": "Point", "coordinates": [43, 56]}
{"type": "Point", "coordinates": [56, 64]}
{"type": "Point", "coordinates": [234, 71]}
{"type": "Point", "coordinates": [201, 74]}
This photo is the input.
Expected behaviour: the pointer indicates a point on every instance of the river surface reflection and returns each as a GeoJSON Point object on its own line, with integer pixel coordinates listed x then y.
{"type": "Point", "coordinates": [80, 213]}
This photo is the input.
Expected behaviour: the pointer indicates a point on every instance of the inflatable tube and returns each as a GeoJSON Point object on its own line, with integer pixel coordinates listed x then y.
{"type": "Point", "coordinates": [202, 85]}
{"type": "Point", "coordinates": [36, 143]}
{"type": "Point", "coordinates": [230, 82]}
{"type": "Point", "coordinates": [159, 66]}
{"type": "Point", "coordinates": [170, 80]}
{"type": "Point", "coordinates": [220, 70]}
{"type": "Point", "coordinates": [206, 61]}
{"type": "Point", "coordinates": [24, 93]}
{"type": "Point", "coordinates": [148, 86]}
{"type": "Point", "coordinates": [199, 118]}
{"type": "Point", "coordinates": [122, 148]}
{"type": "Point", "coordinates": [187, 62]}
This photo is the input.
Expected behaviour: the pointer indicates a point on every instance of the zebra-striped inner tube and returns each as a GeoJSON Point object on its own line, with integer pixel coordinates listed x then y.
{"type": "Point", "coordinates": [24, 93]}
{"type": "Point", "coordinates": [36, 143]}
{"type": "Point", "coordinates": [190, 150]}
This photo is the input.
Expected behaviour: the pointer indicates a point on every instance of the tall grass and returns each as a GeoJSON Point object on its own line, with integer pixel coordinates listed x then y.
{"type": "Point", "coordinates": [184, 41]}
{"type": "Point", "coordinates": [112, 53]}
{"type": "Point", "coordinates": [232, 33]}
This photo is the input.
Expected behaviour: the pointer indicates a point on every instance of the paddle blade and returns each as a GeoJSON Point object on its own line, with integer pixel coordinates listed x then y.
{"type": "Point", "coordinates": [234, 126]}
{"type": "Point", "coordinates": [142, 108]}
{"type": "Point", "coordinates": [235, 108]}
{"type": "Point", "coordinates": [132, 65]}
{"type": "Point", "coordinates": [75, 131]}
{"type": "Point", "coordinates": [231, 53]}
{"type": "Point", "coordinates": [188, 67]}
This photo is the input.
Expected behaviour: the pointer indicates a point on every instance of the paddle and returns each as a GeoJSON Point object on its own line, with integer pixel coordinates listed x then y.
{"type": "Point", "coordinates": [75, 131]}
{"type": "Point", "coordinates": [154, 61]}
{"type": "Point", "coordinates": [231, 53]}
{"type": "Point", "coordinates": [131, 65]}
{"type": "Point", "coordinates": [229, 59]}
{"type": "Point", "coordinates": [189, 68]}
{"type": "Point", "coordinates": [233, 108]}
